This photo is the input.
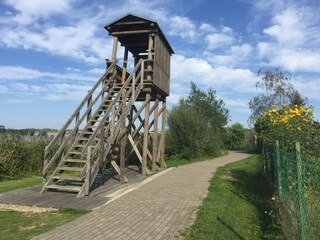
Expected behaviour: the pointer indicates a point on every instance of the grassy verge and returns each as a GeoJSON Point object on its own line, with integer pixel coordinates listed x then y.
{"type": "Point", "coordinates": [10, 185]}
{"type": "Point", "coordinates": [175, 161]}
{"type": "Point", "coordinates": [16, 225]}
{"type": "Point", "coordinates": [237, 206]}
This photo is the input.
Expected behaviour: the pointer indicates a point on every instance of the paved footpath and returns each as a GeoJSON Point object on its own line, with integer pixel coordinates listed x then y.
{"type": "Point", "coordinates": [159, 209]}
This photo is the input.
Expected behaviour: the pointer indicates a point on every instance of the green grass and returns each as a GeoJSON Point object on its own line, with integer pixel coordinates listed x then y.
{"type": "Point", "coordinates": [175, 161]}
{"type": "Point", "coordinates": [16, 225]}
{"type": "Point", "coordinates": [10, 185]}
{"type": "Point", "coordinates": [237, 205]}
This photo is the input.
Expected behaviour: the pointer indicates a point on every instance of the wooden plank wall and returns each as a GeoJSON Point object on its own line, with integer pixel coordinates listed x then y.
{"type": "Point", "coordinates": [161, 68]}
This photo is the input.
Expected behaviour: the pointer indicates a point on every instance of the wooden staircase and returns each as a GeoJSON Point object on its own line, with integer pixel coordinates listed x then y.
{"type": "Point", "coordinates": [74, 157]}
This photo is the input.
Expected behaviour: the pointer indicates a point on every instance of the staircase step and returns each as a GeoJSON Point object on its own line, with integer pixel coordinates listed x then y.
{"type": "Point", "coordinates": [86, 139]}
{"type": "Point", "coordinates": [86, 133]}
{"type": "Point", "coordinates": [79, 145]}
{"type": "Point", "coordinates": [64, 188]}
{"type": "Point", "coordinates": [75, 169]}
{"type": "Point", "coordinates": [74, 152]}
{"type": "Point", "coordinates": [64, 177]}
{"type": "Point", "coordinates": [75, 161]}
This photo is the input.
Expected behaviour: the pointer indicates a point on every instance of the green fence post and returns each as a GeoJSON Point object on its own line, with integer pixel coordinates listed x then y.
{"type": "Point", "coordinates": [302, 213]}
{"type": "Point", "coordinates": [264, 157]}
{"type": "Point", "coordinates": [278, 169]}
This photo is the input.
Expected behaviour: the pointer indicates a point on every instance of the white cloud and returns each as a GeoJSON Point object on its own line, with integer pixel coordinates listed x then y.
{"type": "Point", "coordinates": [200, 71]}
{"type": "Point", "coordinates": [219, 40]}
{"type": "Point", "coordinates": [288, 28]}
{"type": "Point", "coordinates": [39, 7]}
{"type": "Point", "coordinates": [22, 73]}
{"type": "Point", "coordinates": [235, 56]}
{"type": "Point", "coordinates": [304, 60]}
{"type": "Point", "coordinates": [237, 104]}
{"type": "Point", "coordinates": [206, 27]}
{"type": "Point", "coordinates": [97, 70]}
{"type": "Point", "coordinates": [308, 87]}
{"type": "Point", "coordinates": [78, 41]}
{"type": "Point", "coordinates": [182, 27]}
{"type": "Point", "coordinates": [49, 91]}
{"type": "Point", "coordinates": [3, 89]}
{"type": "Point", "coordinates": [293, 40]}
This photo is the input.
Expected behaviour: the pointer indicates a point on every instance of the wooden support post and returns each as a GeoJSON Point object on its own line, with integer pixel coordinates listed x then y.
{"type": "Point", "coordinates": [88, 172]}
{"type": "Point", "coordinates": [150, 57]}
{"type": "Point", "coordinates": [112, 123]}
{"type": "Point", "coordinates": [124, 68]}
{"type": "Point", "coordinates": [145, 136]}
{"type": "Point", "coordinates": [114, 49]}
{"type": "Point", "coordinates": [155, 136]}
{"type": "Point", "coordinates": [163, 134]}
{"type": "Point", "coordinates": [123, 140]}
{"type": "Point", "coordinates": [102, 153]}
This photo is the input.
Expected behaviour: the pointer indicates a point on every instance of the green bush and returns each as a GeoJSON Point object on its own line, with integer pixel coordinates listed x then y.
{"type": "Point", "coordinates": [237, 137]}
{"type": "Point", "coordinates": [20, 158]}
{"type": "Point", "coordinates": [196, 125]}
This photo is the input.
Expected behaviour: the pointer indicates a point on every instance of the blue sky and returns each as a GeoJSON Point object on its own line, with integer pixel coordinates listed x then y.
{"type": "Point", "coordinates": [52, 52]}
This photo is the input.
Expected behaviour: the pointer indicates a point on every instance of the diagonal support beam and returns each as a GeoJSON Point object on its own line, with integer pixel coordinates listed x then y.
{"type": "Point", "coordinates": [117, 169]}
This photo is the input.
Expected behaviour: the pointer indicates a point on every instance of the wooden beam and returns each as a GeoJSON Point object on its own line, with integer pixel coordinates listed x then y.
{"type": "Point", "coordinates": [88, 172]}
{"type": "Point", "coordinates": [137, 44]}
{"type": "Point", "coordinates": [163, 134]}
{"type": "Point", "coordinates": [135, 148]}
{"type": "Point", "coordinates": [155, 136]}
{"type": "Point", "coordinates": [117, 169]}
{"type": "Point", "coordinates": [132, 32]}
{"type": "Point", "coordinates": [124, 68]}
{"type": "Point", "coordinates": [102, 153]}
{"type": "Point", "coordinates": [130, 23]}
{"type": "Point", "coordinates": [145, 136]}
{"type": "Point", "coordinates": [150, 57]}
{"type": "Point", "coordinates": [123, 140]}
{"type": "Point", "coordinates": [114, 49]}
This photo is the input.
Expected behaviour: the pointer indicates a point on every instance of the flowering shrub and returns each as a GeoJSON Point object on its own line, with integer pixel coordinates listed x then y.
{"type": "Point", "coordinates": [288, 125]}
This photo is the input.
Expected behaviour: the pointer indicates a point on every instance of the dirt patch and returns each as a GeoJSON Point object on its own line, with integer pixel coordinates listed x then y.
{"type": "Point", "coordinates": [26, 228]}
{"type": "Point", "coordinates": [228, 177]}
{"type": "Point", "coordinates": [21, 208]}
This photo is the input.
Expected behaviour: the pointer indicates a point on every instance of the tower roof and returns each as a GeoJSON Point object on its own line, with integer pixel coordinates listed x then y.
{"type": "Point", "coordinates": [133, 32]}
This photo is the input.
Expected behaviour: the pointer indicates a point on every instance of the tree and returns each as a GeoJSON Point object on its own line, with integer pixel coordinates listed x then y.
{"type": "Point", "coordinates": [196, 124]}
{"type": "Point", "coordinates": [276, 90]}
{"type": "Point", "coordinates": [236, 137]}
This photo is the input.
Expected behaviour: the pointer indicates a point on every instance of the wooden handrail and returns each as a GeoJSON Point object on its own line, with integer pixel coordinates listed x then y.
{"type": "Point", "coordinates": [123, 88]}
{"type": "Point", "coordinates": [73, 116]}
{"type": "Point", "coordinates": [78, 122]}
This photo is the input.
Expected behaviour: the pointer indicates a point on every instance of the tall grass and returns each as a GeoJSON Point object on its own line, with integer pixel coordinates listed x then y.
{"type": "Point", "coordinates": [19, 158]}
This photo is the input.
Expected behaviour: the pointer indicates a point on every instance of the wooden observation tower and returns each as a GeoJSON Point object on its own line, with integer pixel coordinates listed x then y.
{"type": "Point", "coordinates": [120, 115]}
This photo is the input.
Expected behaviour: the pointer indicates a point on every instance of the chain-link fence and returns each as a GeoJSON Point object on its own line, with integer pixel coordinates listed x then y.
{"type": "Point", "coordinates": [297, 179]}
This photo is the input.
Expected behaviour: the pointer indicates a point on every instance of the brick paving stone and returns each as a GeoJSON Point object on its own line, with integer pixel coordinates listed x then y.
{"type": "Point", "coordinates": [160, 209]}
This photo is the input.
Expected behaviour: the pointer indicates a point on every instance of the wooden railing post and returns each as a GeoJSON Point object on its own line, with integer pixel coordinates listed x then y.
{"type": "Point", "coordinates": [88, 173]}
{"type": "Point", "coordinates": [88, 106]}
{"type": "Point", "coordinates": [76, 122]}
{"type": "Point", "coordinates": [133, 89]}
